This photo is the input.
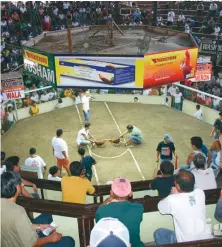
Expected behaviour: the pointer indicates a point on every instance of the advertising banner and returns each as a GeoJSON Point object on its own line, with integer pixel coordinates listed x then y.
{"type": "Point", "coordinates": [203, 72]}
{"type": "Point", "coordinates": [211, 46]}
{"type": "Point", "coordinates": [12, 89]}
{"type": "Point", "coordinates": [168, 67]}
{"type": "Point", "coordinates": [39, 64]}
{"type": "Point", "coordinates": [99, 71]}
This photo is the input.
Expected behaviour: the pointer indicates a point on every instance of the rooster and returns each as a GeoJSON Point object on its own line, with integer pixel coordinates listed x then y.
{"type": "Point", "coordinates": [100, 143]}
{"type": "Point", "coordinates": [116, 141]}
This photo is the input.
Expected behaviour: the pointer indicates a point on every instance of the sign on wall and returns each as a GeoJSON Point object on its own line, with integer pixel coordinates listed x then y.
{"type": "Point", "coordinates": [211, 46]}
{"type": "Point", "coordinates": [12, 89]}
{"type": "Point", "coordinates": [168, 67]}
{"type": "Point", "coordinates": [39, 64]}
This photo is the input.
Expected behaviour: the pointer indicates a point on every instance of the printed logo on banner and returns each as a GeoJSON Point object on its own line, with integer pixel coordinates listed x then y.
{"type": "Point", "coordinates": [13, 88]}
{"type": "Point", "coordinates": [36, 58]}
{"type": "Point", "coordinates": [210, 46]}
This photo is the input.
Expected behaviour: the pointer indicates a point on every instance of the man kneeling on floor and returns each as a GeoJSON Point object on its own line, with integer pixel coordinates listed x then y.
{"type": "Point", "coordinates": [17, 229]}
{"type": "Point", "coordinates": [187, 206]}
{"type": "Point", "coordinates": [135, 136]}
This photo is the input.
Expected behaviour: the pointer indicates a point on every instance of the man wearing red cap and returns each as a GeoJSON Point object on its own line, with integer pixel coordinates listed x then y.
{"type": "Point", "coordinates": [118, 206]}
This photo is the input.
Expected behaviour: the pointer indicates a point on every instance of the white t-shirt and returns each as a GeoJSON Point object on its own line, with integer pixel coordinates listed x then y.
{"type": "Point", "coordinates": [204, 179]}
{"type": "Point", "coordinates": [37, 162]}
{"type": "Point", "coordinates": [50, 177]}
{"type": "Point", "coordinates": [189, 215]}
{"type": "Point", "coordinates": [35, 98]}
{"type": "Point", "coordinates": [198, 115]}
{"type": "Point", "coordinates": [181, 18]}
{"type": "Point", "coordinates": [171, 16]}
{"type": "Point", "coordinates": [85, 103]}
{"type": "Point", "coordinates": [80, 136]}
{"type": "Point", "coordinates": [177, 97]}
{"type": "Point", "coordinates": [2, 169]}
{"type": "Point", "coordinates": [44, 97]}
{"type": "Point", "coordinates": [59, 146]}
{"type": "Point", "coordinates": [172, 90]}
{"type": "Point", "coordinates": [10, 116]}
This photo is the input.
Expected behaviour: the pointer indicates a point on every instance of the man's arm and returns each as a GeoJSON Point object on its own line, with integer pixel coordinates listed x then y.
{"type": "Point", "coordinates": [64, 153]}
{"type": "Point", "coordinates": [25, 193]}
{"type": "Point", "coordinates": [190, 159]}
{"type": "Point", "coordinates": [125, 132]}
{"type": "Point", "coordinates": [164, 206]}
{"type": "Point", "coordinates": [157, 156]}
{"type": "Point", "coordinates": [209, 157]}
{"type": "Point", "coordinates": [220, 140]}
{"type": "Point", "coordinates": [52, 238]}
{"type": "Point", "coordinates": [27, 183]}
{"type": "Point", "coordinates": [212, 132]}
{"type": "Point", "coordinates": [90, 189]}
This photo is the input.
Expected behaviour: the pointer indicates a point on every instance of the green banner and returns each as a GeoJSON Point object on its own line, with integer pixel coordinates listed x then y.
{"type": "Point", "coordinates": [39, 64]}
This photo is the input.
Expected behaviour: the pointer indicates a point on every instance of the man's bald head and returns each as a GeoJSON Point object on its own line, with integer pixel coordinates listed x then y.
{"type": "Point", "coordinates": [184, 181]}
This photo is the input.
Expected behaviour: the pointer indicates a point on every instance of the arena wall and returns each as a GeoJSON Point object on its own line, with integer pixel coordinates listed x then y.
{"type": "Point", "coordinates": [189, 108]}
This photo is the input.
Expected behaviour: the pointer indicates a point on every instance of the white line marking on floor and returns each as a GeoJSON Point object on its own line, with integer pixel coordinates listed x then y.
{"type": "Point", "coordinates": [113, 157]}
{"type": "Point", "coordinates": [94, 169]}
{"type": "Point", "coordinates": [129, 150]}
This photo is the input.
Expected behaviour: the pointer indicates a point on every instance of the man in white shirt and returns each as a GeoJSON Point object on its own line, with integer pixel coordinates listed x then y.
{"type": "Point", "coordinates": [170, 18]}
{"type": "Point", "coordinates": [35, 97]}
{"type": "Point", "coordinates": [44, 97]}
{"type": "Point", "coordinates": [60, 151]}
{"type": "Point", "coordinates": [181, 19]}
{"type": "Point", "coordinates": [36, 161]}
{"type": "Point", "coordinates": [213, 9]}
{"type": "Point", "coordinates": [178, 96]}
{"type": "Point", "coordinates": [85, 105]}
{"type": "Point", "coordinates": [204, 177]}
{"type": "Point", "coordinates": [84, 137]}
{"type": "Point", "coordinates": [187, 206]}
{"type": "Point", "coordinates": [172, 90]}
{"type": "Point", "coordinates": [3, 166]}
{"type": "Point", "coordinates": [198, 114]}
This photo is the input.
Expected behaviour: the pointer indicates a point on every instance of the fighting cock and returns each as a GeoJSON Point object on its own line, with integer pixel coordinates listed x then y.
{"type": "Point", "coordinates": [116, 141]}
{"type": "Point", "coordinates": [100, 143]}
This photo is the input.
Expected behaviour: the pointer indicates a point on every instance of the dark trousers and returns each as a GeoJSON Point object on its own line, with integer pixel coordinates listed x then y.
{"type": "Point", "coordinates": [47, 219]}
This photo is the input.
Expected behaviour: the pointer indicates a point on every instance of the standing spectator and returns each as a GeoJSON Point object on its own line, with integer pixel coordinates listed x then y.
{"type": "Point", "coordinates": [12, 164]}
{"type": "Point", "coordinates": [204, 177]}
{"type": "Point", "coordinates": [85, 105]}
{"type": "Point", "coordinates": [109, 232]}
{"type": "Point", "coordinates": [163, 183]}
{"type": "Point", "coordinates": [75, 187]}
{"type": "Point", "coordinates": [200, 9]}
{"type": "Point", "coordinates": [18, 223]}
{"type": "Point", "coordinates": [159, 21]}
{"type": "Point", "coordinates": [216, 30]}
{"type": "Point", "coordinates": [187, 206]}
{"type": "Point", "coordinates": [198, 114]}
{"type": "Point", "coordinates": [165, 149]}
{"type": "Point", "coordinates": [172, 89]}
{"type": "Point", "coordinates": [60, 151]}
{"type": "Point", "coordinates": [213, 9]}
{"type": "Point", "coordinates": [36, 161]}
{"type": "Point", "coordinates": [54, 174]}
{"type": "Point", "coordinates": [170, 18]}
{"type": "Point", "coordinates": [87, 162]}
{"type": "Point", "coordinates": [47, 23]}
{"type": "Point", "coordinates": [118, 206]}
{"type": "Point", "coordinates": [216, 104]}
{"type": "Point", "coordinates": [10, 118]}
{"type": "Point", "coordinates": [217, 126]}
{"type": "Point", "coordinates": [178, 96]}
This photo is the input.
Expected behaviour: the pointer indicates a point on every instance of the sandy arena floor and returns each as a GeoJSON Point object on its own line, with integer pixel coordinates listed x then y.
{"type": "Point", "coordinates": [136, 164]}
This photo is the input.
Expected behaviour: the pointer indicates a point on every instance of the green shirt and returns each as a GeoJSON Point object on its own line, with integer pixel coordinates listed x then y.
{"type": "Point", "coordinates": [130, 214]}
{"type": "Point", "coordinates": [137, 132]}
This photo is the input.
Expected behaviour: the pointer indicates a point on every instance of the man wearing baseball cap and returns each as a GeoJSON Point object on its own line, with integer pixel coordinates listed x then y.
{"type": "Point", "coordinates": [118, 206]}
{"type": "Point", "coordinates": [109, 232]}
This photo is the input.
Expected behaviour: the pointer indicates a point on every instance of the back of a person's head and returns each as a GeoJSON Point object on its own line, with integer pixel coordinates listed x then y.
{"type": "Point", "coordinates": [9, 182]}
{"type": "Point", "coordinates": [81, 151]}
{"type": "Point", "coordinates": [53, 170]}
{"type": "Point", "coordinates": [185, 180]}
{"type": "Point", "coordinates": [3, 155]}
{"type": "Point", "coordinates": [11, 162]}
{"type": "Point", "coordinates": [200, 161]}
{"type": "Point", "coordinates": [87, 125]}
{"type": "Point", "coordinates": [32, 151]}
{"type": "Point", "coordinates": [167, 168]}
{"type": "Point", "coordinates": [197, 142]}
{"type": "Point", "coordinates": [198, 107]}
{"type": "Point", "coordinates": [59, 132]}
{"type": "Point", "coordinates": [76, 168]}
{"type": "Point", "coordinates": [60, 101]}
{"type": "Point", "coordinates": [129, 127]}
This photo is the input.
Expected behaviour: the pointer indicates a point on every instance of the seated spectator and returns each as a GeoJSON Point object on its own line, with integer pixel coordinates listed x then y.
{"type": "Point", "coordinates": [34, 109]}
{"type": "Point", "coordinates": [109, 232]}
{"type": "Point", "coordinates": [44, 97]}
{"type": "Point", "coordinates": [3, 166]}
{"type": "Point", "coordinates": [12, 164]}
{"type": "Point", "coordinates": [187, 206]}
{"type": "Point", "coordinates": [60, 104]}
{"type": "Point", "coordinates": [27, 101]}
{"type": "Point", "coordinates": [211, 22]}
{"type": "Point", "coordinates": [217, 126]}
{"type": "Point", "coordinates": [216, 104]}
{"type": "Point", "coordinates": [35, 97]}
{"type": "Point", "coordinates": [36, 161]}
{"type": "Point", "coordinates": [160, 21]}
{"type": "Point", "coordinates": [118, 206]}
{"type": "Point", "coordinates": [87, 162]}
{"type": "Point", "coordinates": [164, 182]}
{"type": "Point", "coordinates": [198, 114]}
{"type": "Point", "coordinates": [172, 89]}
{"type": "Point", "coordinates": [54, 174]}
{"type": "Point", "coordinates": [17, 222]}
{"type": "Point", "coordinates": [75, 24]}
{"type": "Point", "coordinates": [165, 149]}
{"type": "Point", "coordinates": [200, 9]}
{"type": "Point", "coordinates": [204, 177]}
{"type": "Point", "coordinates": [213, 10]}
{"type": "Point", "coordinates": [75, 187]}
{"type": "Point", "coordinates": [216, 30]}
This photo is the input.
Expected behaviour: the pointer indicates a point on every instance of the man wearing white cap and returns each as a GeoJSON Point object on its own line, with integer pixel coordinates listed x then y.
{"type": "Point", "coordinates": [109, 232]}
{"type": "Point", "coordinates": [118, 206]}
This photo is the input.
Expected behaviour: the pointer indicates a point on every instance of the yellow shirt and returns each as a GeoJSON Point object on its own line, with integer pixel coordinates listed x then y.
{"type": "Point", "coordinates": [34, 110]}
{"type": "Point", "coordinates": [74, 189]}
